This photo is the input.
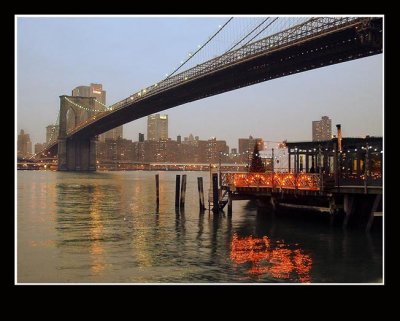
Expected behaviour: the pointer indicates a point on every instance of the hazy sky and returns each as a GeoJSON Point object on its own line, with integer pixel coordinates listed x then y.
{"type": "Point", "coordinates": [127, 54]}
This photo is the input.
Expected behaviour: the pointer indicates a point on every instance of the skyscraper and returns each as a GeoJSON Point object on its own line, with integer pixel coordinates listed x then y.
{"type": "Point", "coordinates": [322, 129]}
{"type": "Point", "coordinates": [96, 90]}
{"type": "Point", "coordinates": [51, 133]}
{"type": "Point", "coordinates": [157, 127]}
{"type": "Point", "coordinates": [38, 148]}
{"type": "Point", "coordinates": [24, 145]}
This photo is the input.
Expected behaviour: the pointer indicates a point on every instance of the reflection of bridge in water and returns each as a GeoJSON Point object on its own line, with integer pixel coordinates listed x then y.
{"type": "Point", "coordinates": [315, 43]}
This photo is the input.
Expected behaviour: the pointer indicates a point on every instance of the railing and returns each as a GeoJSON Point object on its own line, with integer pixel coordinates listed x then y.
{"type": "Point", "coordinates": [301, 181]}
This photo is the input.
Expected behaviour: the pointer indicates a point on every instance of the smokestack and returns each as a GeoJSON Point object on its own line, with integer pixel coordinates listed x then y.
{"type": "Point", "coordinates": [339, 137]}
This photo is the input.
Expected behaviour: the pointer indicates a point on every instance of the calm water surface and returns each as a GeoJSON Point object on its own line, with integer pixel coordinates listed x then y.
{"type": "Point", "coordinates": [105, 227]}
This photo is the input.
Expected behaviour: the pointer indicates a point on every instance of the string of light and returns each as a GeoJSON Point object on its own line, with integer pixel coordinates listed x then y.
{"type": "Point", "coordinates": [84, 108]}
{"type": "Point", "coordinates": [54, 128]}
{"type": "Point", "coordinates": [99, 102]}
{"type": "Point", "coordinates": [349, 150]}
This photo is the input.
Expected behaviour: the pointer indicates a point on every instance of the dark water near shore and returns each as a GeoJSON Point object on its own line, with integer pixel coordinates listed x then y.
{"type": "Point", "coordinates": [104, 227]}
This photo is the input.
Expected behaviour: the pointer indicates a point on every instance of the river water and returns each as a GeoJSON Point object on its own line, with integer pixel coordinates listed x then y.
{"type": "Point", "coordinates": [104, 227]}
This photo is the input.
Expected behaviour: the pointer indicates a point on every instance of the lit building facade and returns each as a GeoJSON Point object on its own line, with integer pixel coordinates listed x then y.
{"type": "Point", "coordinates": [246, 147]}
{"type": "Point", "coordinates": [217, 151]}
{"type": "Point", "coordinates": [52, 133]}
{"type": "Point", "coordinates": [38, 148]}
{"type": "Point", "coordinates": [157, 127]}
{"type": "Point", "coordinates": [322, 129]}
{"type": "Point", "coordinates": [24, 145]}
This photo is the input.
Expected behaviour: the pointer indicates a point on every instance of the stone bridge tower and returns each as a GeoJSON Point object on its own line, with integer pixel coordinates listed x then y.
{"type": "Point", "coordinates": [76, 154]}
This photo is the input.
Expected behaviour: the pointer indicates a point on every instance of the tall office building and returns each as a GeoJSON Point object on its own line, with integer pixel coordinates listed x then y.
{"type": "Point", "coordinates": [141, 137]}
{"type": "Point", "coordinates": [51, 133]}
{"type": "Point", "coordinates": [24, 145]}
{"type": "Point", "coordinates": [322, 129]}
{"type": "Point", "coordinates": [157, 127]}
{"type": "Point", "coordinates": [38, 148]}
{"type": "Point", "coordinates": [96, 90]}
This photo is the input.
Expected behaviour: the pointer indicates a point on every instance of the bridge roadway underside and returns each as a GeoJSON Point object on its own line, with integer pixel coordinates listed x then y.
{"type": "Point", "coordinates": [327, 49]}
{"type": "Point", "coordinates": [319, 51]}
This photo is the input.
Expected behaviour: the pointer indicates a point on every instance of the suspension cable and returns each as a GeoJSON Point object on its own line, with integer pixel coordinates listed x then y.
{"type": "Point", "coordinates": [247, 35]}
{"type": "Point", "coordinates": [191, 56]}
{"type": "Point", "coordinates": [261, 31]}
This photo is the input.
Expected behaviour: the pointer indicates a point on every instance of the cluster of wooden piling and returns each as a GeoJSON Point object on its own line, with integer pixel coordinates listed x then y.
{"type": "Point", "coordinates": [180, 192]}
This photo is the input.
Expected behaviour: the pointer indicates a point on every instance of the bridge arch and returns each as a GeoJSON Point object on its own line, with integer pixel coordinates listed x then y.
{"type": "Point", "coordinates": [71, 116]}
{"type": "Point", "coordinates": [84, 115]}
{"type": "Point", "coordinates": [74, 111]}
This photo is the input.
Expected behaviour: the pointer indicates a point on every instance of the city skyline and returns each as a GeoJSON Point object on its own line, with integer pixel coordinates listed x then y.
{"type": "Point", "coordinates": [349, 93]}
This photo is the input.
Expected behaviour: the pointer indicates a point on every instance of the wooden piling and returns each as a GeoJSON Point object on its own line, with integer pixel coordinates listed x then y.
{"type": "Point", "coordinates": [372, 213]}
{"type": "Point", "coordinates": [215, 193]}
{"type": "Point", "coordinates": [201, 193]}
{"type": "Point", "coordinates": [229, 204]}
{"type": "Point", "coordinates": [348, 203]}
{"type": "Point", "coordinates": [183, 192]}
{"type": "Point", "coordinates": [177, 190]}
{"type": "Point", "coordinates": [274, 203]}
{"type": "Point", "coordinates": [157, 190]}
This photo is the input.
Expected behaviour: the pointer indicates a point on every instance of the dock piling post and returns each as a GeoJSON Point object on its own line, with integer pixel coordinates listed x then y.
{"type": "Point", "coordinates": [183, 192]}
{"type": "Point", "coordinates": [201, 193]}
{"type": "Point", "coordinates": [157, 190]}
{"type": "Point", "coordinates": [373, 209]}
{"type": "Point", "coordinates": [177, 190]}
{"type": "Point", "coordinates": [215, 193]}
{"type": "Point", "coordinates": [229, 204]}
{"type": "Point", "coordinates": [348, 209]}
{"type": "Point", "coordinates": [274, 203]}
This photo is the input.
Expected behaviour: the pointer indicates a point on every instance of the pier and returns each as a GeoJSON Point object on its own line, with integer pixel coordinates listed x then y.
{"type": "Point", "coordinates": [346, 183]}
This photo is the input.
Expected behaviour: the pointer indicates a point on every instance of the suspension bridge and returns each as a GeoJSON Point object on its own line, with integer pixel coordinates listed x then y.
{"type": "Point", "coordinates": [275, 47]}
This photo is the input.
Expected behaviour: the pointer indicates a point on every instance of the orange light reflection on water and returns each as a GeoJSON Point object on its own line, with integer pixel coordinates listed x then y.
{"type": "Point", "coordinates": [277, 260]}
{"type": "Point", "coordinates": [96, 233]}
